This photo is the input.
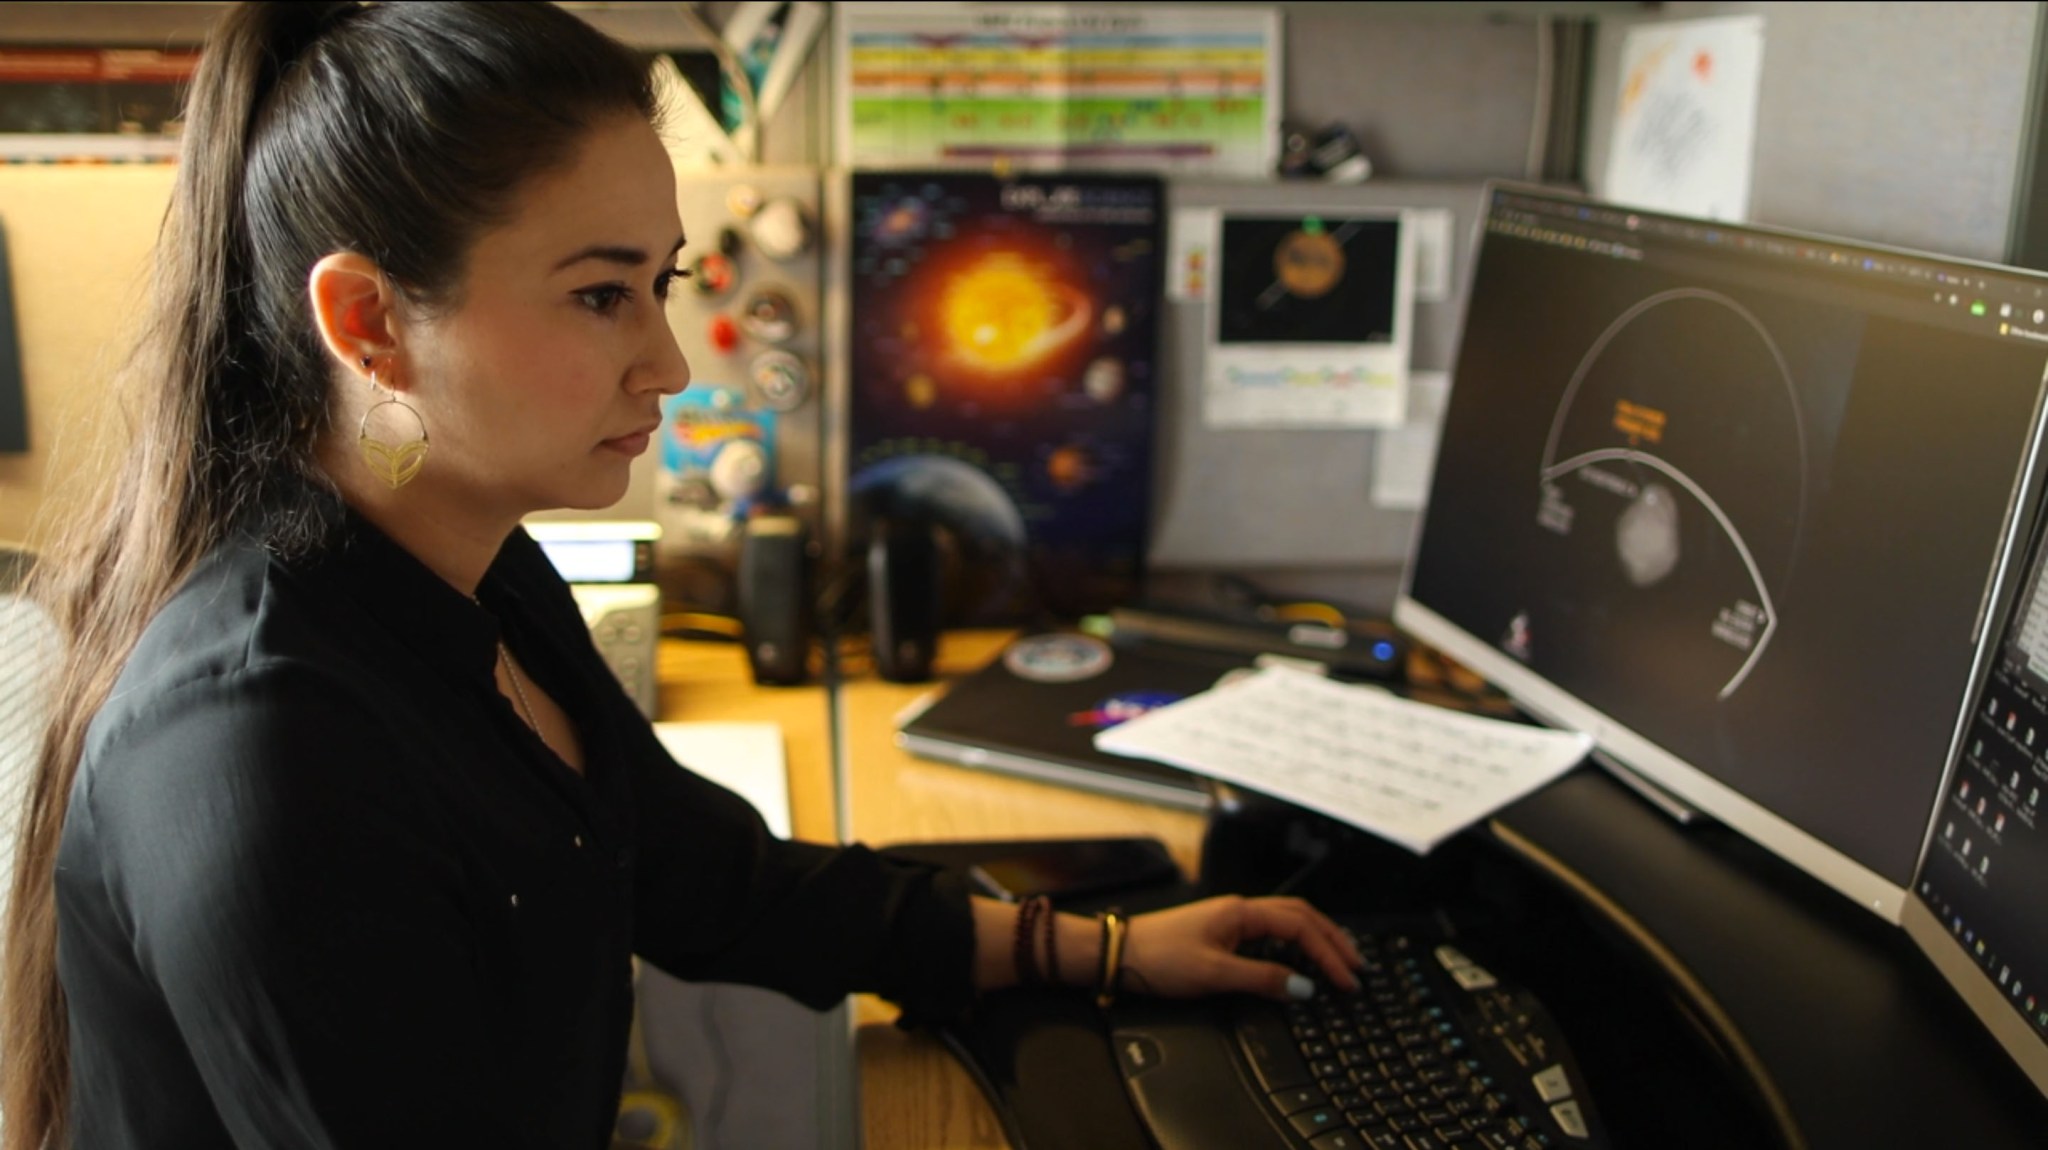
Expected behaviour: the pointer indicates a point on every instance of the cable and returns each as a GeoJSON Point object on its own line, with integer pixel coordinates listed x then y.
{"type": "Point", "coordinates": [1539, 126]}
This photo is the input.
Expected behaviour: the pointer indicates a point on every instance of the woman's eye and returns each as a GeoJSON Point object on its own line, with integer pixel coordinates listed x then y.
{"type": "Point", "coordinates": [604, 298]}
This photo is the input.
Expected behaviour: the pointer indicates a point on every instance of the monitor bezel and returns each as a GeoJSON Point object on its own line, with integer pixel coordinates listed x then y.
{"type": "Point", "coordinates": [1977, 990]}
{"type": "Point", "coordinates": [1622, 749]}
{"type": "Point", "coordinates": [1974, 984]}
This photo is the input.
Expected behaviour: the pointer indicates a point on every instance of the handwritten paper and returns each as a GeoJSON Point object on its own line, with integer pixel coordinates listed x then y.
{"type": "Point", "coordinates": [1685, 128]}
{"type": "Point", "coordinates": [1409, 772]}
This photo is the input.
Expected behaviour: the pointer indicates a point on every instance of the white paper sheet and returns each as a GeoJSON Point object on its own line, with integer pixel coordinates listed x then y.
{"type": "Point", "coordinates": [1409, 772]}
{"type": "Point", "coordinates": [1685, 127]}
{"type": "Point", "coordinates": [745, 758]}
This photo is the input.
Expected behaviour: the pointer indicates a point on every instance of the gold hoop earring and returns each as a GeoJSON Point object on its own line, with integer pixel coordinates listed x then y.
{"type": "Point", "coordinates": [394, 463]}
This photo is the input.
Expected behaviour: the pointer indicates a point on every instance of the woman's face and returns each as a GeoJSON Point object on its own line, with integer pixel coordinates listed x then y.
{"type": "Point", "coordinates": [545, 381]}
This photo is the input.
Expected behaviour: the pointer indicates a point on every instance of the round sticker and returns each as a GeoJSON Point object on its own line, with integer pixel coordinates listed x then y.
{"type": "Point", "coordinates": [1058, 658]}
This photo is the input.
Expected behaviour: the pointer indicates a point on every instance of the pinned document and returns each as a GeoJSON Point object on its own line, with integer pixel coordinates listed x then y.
{"type": "Point", "coordinates": [1409, 772]}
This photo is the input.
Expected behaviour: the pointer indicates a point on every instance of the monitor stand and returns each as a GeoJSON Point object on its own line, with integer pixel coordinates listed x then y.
{"type": "Point", "coordinates": [1677, 809]}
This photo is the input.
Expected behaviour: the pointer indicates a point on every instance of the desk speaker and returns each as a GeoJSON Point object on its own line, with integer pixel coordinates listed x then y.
{"type": "Point", "coordinates": [904, 598]}
{"type": "Point", "coordinates": [775, 599]}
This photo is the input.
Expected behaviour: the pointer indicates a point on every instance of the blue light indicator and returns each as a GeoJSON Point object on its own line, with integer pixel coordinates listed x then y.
{"type": "Point", "coordinates": [1383, 651]}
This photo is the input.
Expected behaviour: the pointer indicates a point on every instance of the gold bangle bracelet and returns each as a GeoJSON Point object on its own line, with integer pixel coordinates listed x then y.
{"type": "Point", "coordinates": [1114, 927]}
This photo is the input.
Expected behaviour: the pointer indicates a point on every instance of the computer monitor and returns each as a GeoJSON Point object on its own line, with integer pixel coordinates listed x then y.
{"type": "Point", "coordinates": [1976, 905]}
{"type": "Point", "coordinates": [1730, 500]}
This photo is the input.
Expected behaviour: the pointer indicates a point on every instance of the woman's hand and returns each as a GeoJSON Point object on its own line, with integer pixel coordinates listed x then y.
{"type": "Point", "coordinates": [1192, 949]}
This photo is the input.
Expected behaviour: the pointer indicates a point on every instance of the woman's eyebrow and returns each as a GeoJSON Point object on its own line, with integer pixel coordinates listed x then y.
{"type": "Point", "coordinates": [613, 254]}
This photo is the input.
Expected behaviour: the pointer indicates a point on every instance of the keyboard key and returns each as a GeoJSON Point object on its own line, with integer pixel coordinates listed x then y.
{"type": "Point", "coordinates": [1380, 1138]}
{"type": "Point", "coordinates": [1570, 1120]}
{"type": "Point", "coordinates": [1269, 1047]}
{"type": "Point", "coordinates": [1474, 978]}
{"type": "Point", "coordinates": [1297, 1099]}
{"type": "Point", "coordinates": [1551, 1084]}
{"type": "Point", "coordinates": [1337, 1140]}
{"type": "Point", "coordinates": [1310, 1123]}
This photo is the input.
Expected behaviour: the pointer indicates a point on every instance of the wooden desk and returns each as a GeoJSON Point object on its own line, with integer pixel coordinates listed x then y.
{"type": "Point", "coordinates": [915, 1095]}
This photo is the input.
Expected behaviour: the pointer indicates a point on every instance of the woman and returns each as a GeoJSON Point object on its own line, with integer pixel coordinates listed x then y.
{"type": "Point", "coordinates": [344, 836]}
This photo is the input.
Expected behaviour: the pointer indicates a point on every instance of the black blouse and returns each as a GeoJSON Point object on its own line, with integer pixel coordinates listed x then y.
{"type": "Point", "coordinates": [320, 886]}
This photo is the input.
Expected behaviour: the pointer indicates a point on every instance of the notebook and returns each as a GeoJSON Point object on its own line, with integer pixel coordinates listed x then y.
{"type": "Point", "coordinates": [1035, 709]}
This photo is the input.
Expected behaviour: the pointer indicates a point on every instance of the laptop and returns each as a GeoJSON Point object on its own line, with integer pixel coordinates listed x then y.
{"type": "Point", "coordinates": [1036, 708]}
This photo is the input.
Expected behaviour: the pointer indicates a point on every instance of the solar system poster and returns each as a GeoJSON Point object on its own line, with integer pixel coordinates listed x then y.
{"type": "Point", "coordinates": [1003, 380]}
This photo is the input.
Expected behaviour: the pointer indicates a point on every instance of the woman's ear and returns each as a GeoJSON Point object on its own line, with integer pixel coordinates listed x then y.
{"type": "Point", "coordinates": [355, 307]}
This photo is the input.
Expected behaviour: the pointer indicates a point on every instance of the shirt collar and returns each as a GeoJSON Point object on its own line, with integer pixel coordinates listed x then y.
{"type": "Point", "coordinates": [446, 628]}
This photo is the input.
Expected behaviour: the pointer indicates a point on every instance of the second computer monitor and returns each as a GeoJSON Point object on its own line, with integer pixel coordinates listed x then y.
{"type": "Point", "coordinates": [1730, 499]}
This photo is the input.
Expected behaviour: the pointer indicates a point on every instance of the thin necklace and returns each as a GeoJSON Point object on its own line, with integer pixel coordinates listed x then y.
{"type": "Point", "coordinates": [519, 688]}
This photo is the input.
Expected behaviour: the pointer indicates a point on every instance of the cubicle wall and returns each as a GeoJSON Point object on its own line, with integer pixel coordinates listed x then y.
{"type": "Point", "coordinates": [1295, 507]}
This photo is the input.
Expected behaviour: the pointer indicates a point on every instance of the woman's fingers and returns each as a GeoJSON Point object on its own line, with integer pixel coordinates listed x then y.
{"type": "Point", "coordinates": [1323, 941]}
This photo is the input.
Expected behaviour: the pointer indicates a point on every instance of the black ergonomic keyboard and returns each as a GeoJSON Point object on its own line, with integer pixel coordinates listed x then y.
{"type": "Point", "coordinates": [1433, 1051]}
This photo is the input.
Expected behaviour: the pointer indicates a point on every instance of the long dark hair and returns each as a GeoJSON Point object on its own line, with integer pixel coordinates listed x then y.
{"type": "Point", "coordinates": [399, 131]}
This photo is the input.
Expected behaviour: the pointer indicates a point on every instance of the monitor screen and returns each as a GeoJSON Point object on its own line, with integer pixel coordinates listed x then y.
{"type": "Point", "coordinates": [1730, 500]}
{"type": "Point", "coordinates": [1976, 905]}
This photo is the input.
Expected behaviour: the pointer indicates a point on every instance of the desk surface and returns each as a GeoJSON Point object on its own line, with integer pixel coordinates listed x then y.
{"type": "Point", "coordinates": [914, 1095]}
{"type": "Point", "coordinates": [1860, 1043]}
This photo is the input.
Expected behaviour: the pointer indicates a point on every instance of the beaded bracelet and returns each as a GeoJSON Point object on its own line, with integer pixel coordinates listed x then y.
{"type": "Point", "coordinates": [1114, 927]}
{"type": "Point", "coordinates": [1024, 949]}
